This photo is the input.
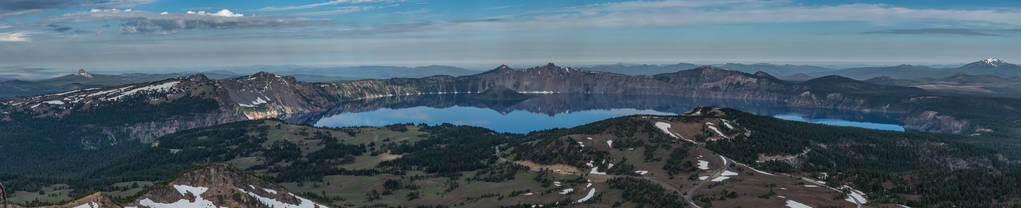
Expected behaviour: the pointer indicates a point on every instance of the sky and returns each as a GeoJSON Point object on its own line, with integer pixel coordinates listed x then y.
{"type": "Point", "coordinates": [39, 36]}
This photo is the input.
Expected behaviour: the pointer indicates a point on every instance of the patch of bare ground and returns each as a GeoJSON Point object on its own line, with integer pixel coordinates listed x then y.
{"type": "Point", "coordinates": [557, 168]}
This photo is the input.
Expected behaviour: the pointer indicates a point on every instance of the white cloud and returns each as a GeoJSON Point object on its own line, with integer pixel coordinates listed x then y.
{"type": "Point", "coordinates": [226, 13]}
{"type": "Point", "coordinates": [636, 14]}
{"type": "Point", "coordinates": [139, 21]}
{"type": "Point", "coordinates": [14, 37]}
{"type": "Point", "coordinates": [329, 3]}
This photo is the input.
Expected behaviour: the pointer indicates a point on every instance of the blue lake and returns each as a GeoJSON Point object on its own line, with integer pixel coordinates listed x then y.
{"type": "Point", "coordinates": [838, 122]}
{"type": "Point", "coordinates": [565, 111]}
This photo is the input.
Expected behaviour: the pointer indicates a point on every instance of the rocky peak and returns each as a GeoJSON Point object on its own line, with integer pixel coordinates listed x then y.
{"type": "Point", "coordinates": [197, 77]}
{"type": "Point", "coordinates": [221, 185]}
{"type": "Point", "coordinates": [992, 61]}
{"type": "Point", "coordinates": [83, 73]}
{"type": "Point", "coordinates": [710, 68]}
{"type": "Point", "coordinates": [763, 74]}
{"type": "Point", "coordinates": [709, 111]}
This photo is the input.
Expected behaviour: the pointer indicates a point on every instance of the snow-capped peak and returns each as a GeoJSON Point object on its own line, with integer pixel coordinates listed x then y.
{"type": "Point", "coordinates": [993, 61]}
{"type": "Point", "coordinates": [83, 73]}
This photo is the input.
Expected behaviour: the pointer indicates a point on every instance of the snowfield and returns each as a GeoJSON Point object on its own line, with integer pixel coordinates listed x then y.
{"type": "Point", "coordinates": [591, 193]}
{"type": "Point", "coordinates": [54, 102]}
{"type": "Point", "coordinates": [305, 203]}
{"type": "Point", "coordinates": [184, 190]}
{"type": "Point", "coordinates": [163, 87]}
{"type": "Point", "coordinates": [726, 175]}
{"type": "Point", "coordinates": [718, 131]}
{"type": "Point", "coordinates": [642, 172]}
{"type": "Point", "coordinates": [702, 164]}
{"type": "Point", "coordinates": [88, 205]}
{"type": "Point", "coordinates": [566, 191]}
{"type": "Point", "coordinates": [727, 124]}
{"type": "Point", "coordinates": [794, 204]}
{"type": "Point", "coordinates": [855, 195]}
{"type": "Point", "coordinates": [666, 128]}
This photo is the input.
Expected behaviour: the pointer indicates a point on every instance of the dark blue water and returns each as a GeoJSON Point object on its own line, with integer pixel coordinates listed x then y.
{"type": "Point", "coordinates": [839, 122]}
{"type": "Point", "coordinates": [565, 111]}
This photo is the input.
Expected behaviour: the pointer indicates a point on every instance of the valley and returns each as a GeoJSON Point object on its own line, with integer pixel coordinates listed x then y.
{"type": "Point", "coordinates": [694, 156]}
{"type": "Point", "coordinates": [701, 158]}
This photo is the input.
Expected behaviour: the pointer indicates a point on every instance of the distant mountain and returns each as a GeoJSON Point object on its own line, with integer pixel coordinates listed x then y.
{"type": "Point", "coordinates": [774, 69]}
{"type": "Point", "coordinates": [642, 69]}
{"type": "Point", "coordinates": [796, 77]}
{"type": "Point", "coordinates": [325, 74]}
{"type": "Point", "coordinates": [78, 80]}
{"type": "Point", "coordinates": [646, 69]}
{"type": "Point", "coordinates": [899, 72]}
{"type": "Point", "coordinates": [961, 83]}
{"type": "Point", "coordinates": [991, 66]}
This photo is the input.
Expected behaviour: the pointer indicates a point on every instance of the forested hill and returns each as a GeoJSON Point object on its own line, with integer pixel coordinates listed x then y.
{"type": "Point", "coordinates": [719, 157]}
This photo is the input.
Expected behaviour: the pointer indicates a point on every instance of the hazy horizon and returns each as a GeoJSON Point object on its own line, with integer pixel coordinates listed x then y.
{"type": "Point", "coordinates": [144, 34]}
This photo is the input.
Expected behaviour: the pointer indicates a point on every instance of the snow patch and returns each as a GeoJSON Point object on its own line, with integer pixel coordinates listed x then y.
{"type": "Point", "coordinates": [591, 193]}
{"type": "Point", "coordinates": [305, 203]}
{"type": "Point", "coordinates": [759, 171]}
{"type": "Point", "coordinates": [726, 175]}
{"type": "Point", "coordinates": [54, 102]}
{"type": "Point", "coordinates": [811, 186]}
{"type": "Point", "coordinates": [855, 195]}
{"type": "Point", "coordinates": [582, 144]}
{"type": "Point", "coordinates": [556, 183]}
{"type": "Point", "coordinates": [184, 190]}
{"type": "Point", "coordinates": [270, 191]}
{"type": "Point", "coordinates": [665, 127]}
{"type": "Point", "coordinates": [727, 124]}
{"type": "Point", "coordinates": [566, 191]}
{"type": "Point", "coordinates": [162, 87]}
{"type": "Point", "coordinates": [537, 92]}
{"type": "Point", "coordinates": [642, 172]}
{"type": "Point", "coordinates": [88, 205]}
{"type": "Point", "coordinates": [596, 171]}
{"type": "Point", "coordinates": [794, 204]}
{"type": "Point", "coordinates": [702, 164]}
{"type": "Point", "coordinates": [717, 131]}
{"type": "Point", "coordinates": [702, 178]}
{"type": "Point", "coordinates": [609, 143]}
{"type": "Point", "coordinates": [68, 92]}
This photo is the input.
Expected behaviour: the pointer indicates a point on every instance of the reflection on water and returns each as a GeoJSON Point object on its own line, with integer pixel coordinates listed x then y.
{"type": "Point", "coordinates": [838, 122]}
{"type": "Point", "coordinates": [514, 122]}
{"type": "Point", "coordinates": [562, 111]}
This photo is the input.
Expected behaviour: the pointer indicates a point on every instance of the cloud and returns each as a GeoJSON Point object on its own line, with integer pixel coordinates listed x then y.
{"type": "Point", "coordinates": [477, 20]}
{"type": "Point", "coordinates": [14, 37]}
{"type": "Point", "coordinates": [928, 31]}
{"type": "Point", "coordinates": [310, 6]}
{"type": "Point", "coordinates": [340, 10]}
{"type": "Point", "coordinates": [635, 14]}
{"type": "Point", "coordinates": [26, 73]}
{"type": "Point", "coordinates": [10, 8]}
{"type": "Point", "coordinates": [144, 22]}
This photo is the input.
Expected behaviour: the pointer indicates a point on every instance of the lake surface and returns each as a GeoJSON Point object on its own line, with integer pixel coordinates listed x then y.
{"type": "Point", "coordinates": [564, 111]}
{"type": "Point", "coordinates": [838, 122]}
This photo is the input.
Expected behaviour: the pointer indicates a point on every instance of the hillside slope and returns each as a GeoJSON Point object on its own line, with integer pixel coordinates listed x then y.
{"type": "Point", "coordinates": [707, 156]}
